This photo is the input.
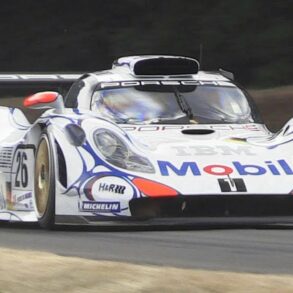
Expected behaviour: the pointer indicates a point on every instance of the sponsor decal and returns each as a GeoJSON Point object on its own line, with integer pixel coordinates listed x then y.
{"type": "Point", "coordinates": [22, 201]}
{"type": "Point", "coordinates": [192, 168]}
{"type": "Point", "coordinates": [115, 188]}
{"type": "Point", "coordinates": [108, 188]}
{"type": "Point", "coordinates": [101, 207]}
{"type": "Point", "coordinates": [232, 185]}
{"type": "Point", "coordinates": [24, 197]}
{"type": "Point", "coordinates": [204, 150]}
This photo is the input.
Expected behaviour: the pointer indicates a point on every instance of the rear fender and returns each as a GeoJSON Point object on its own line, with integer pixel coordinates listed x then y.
{"type": "Point", "coordinates": [13, 125]}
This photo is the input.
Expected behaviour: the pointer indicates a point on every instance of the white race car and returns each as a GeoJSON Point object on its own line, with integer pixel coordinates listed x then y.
{"type": "Point", "coordinates": [151, 141]}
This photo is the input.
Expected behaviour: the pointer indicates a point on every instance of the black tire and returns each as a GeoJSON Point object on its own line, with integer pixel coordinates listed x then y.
{"type": "Point", "coordinates": [45, 183]}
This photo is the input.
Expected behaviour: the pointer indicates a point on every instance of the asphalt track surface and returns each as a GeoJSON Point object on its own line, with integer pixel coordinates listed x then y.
{"type": "Point", "coordinates": [261, 250]}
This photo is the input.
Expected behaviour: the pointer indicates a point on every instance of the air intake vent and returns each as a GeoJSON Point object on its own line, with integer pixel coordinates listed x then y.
{"type": "Point", "coordinates": [165, 66]}
{"type": "Point", "coordinates": [197, 131]}
{"type": "Point", "coordinates": [159, 65]}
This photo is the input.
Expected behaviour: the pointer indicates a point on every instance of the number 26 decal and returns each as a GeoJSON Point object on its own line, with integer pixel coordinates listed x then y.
{"type": "Point", "coordinates": [23, 168]}
{"type": "Point", "coordinates": [21, 177]}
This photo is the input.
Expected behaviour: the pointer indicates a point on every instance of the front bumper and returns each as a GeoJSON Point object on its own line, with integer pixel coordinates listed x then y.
{"type": "Point", "coordinates": [243, 209]}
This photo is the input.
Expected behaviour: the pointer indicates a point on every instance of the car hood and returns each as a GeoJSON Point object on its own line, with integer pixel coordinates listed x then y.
{"type": "Point", "coordinates": [212, 159]}
{"type": "Point", "coordinates": [176, 139]}
{"type": "Point", "coordinates": [209, 159]}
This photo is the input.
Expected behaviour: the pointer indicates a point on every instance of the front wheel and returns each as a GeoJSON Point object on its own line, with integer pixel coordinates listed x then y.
{"type": "Point", "coordinates": [45, 183]}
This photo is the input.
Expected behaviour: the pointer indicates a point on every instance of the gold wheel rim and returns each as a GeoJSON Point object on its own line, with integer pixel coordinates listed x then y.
{"type": "Point", "coordinates": [42, 177]}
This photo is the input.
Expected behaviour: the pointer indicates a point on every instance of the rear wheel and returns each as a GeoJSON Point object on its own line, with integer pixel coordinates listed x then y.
{"type": "Point", "coordinates": [45, 184]}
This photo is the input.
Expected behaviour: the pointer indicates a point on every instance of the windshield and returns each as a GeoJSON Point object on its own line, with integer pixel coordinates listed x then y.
{"type": "Point", "coordinates": [203, 104]}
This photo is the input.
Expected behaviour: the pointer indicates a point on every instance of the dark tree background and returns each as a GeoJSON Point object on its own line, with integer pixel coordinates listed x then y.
{"type": "Point", "coordinates": [252, 38]}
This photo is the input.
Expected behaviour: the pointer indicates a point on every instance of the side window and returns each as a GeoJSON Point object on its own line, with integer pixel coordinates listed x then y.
{"type": "Point", "coordinates": [71, 97]}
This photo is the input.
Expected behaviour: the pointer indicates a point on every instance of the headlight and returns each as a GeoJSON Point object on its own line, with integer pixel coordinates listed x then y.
{"type": "Point", "coordinates": [116, 152]}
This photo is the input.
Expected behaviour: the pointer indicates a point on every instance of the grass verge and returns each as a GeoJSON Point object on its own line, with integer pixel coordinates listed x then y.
{"type": "Point", "coordinates": [31, 271]}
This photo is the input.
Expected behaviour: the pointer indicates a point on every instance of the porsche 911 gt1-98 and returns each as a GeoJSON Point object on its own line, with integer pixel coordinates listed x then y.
{"type": "Point", "coordinates": [152, 140]}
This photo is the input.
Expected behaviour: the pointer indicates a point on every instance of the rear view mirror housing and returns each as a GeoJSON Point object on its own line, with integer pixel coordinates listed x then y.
{"type": "Point", "coordinates": [45, 100]}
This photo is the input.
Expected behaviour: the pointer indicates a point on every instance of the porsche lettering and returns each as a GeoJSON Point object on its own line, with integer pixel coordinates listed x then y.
{"type": "Point", "coordinates": [146, 128]}
{"type": "Point", "coordinates": [164, 82]}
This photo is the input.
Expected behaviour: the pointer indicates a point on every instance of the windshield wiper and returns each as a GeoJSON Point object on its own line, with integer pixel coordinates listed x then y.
{"type": "Point", "coordinates": [168, 120]}
{"type": "Point", "coordinates": [127, 120]}
{"type": "Point", "coordinates": [184, 106]}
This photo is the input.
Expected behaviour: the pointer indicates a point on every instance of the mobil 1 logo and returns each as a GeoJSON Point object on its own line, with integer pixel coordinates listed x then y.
{"type": "Point", "coordinates": [22, 168]}
{"type": "Point", "coordinates": [232, 185]}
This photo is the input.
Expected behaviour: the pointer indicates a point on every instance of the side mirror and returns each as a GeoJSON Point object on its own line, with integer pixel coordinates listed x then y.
{"type": "Point", "coordinates": [45, 100]}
